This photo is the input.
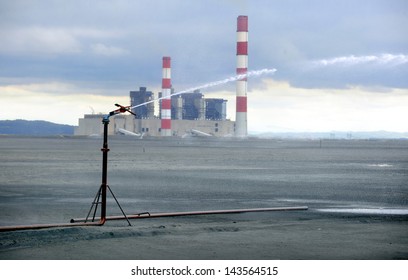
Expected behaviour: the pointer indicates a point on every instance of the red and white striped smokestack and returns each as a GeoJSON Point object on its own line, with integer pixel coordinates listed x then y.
{"type": "Point", "coordinates": [242, 68]}
{"type": "Point", "coordinates": [166, 101]}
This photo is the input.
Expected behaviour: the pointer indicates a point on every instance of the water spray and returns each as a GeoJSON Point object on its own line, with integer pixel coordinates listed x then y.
{"type": "Point", "coordinates": [254, 73]}
{"type": "Point", "coordinates": [383, 59]}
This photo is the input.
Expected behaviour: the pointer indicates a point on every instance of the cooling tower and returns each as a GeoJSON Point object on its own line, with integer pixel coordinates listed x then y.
{"type": "Point", "coordinates": [242, 68]}
{"type": "Point", "coordinates": [166, 101]}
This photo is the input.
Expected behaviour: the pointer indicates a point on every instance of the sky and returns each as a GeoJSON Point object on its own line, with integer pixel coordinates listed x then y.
{"type": "Point", "coordinates": [340, 65]}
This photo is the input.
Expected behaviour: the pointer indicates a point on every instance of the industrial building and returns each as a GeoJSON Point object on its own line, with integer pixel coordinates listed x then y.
{"type": "Point", "coordinates": [191, 114]}
{"type": "Point", "coordinates": [193, 106]}
{"type": "Point", "coordinates": [181, 114]}
{"type": "Point", "coordinates": [139, 97]}
{"type": "Point", "coordinates": [91, 125]}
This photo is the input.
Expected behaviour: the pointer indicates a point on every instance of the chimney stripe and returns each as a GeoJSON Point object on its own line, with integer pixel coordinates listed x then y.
{"type": "Point", "coordinates": [166, 101]}
{"type": "Point", "coordinates": [241, 84]}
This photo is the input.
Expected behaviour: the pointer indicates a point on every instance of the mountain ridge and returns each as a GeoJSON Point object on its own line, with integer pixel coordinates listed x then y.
{"type": "Point", "coordinates": [35, 128]}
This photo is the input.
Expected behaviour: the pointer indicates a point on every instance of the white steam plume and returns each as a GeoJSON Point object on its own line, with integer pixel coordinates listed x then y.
{"type": "Point", "coordinates": [383, 59]}
{"type": "Point", "coordinates": [216, 83]}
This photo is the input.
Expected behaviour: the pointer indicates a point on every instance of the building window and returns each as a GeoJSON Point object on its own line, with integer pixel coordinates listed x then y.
{"type": "Point", "coordinates": [216, 129]}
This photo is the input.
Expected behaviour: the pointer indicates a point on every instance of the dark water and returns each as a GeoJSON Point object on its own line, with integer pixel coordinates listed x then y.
{"type": "Point", "coordinates": [44, 180]}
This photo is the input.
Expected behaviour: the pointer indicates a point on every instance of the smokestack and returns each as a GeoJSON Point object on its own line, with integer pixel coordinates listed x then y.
{"type": "Point", "coordinates": [166, 101]}
{"type": "Point", "coordinates": [242, 68]}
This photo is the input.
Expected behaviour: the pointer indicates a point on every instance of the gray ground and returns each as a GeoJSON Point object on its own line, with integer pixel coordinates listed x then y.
{"type": "Point", "coordinates": [240, 236]}
{"type": "Point", "coordinates": [356, 192]}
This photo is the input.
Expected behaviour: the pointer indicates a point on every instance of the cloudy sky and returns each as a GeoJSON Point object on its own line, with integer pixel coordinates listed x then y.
{"type": "Point", "coordinates": [341, 65]}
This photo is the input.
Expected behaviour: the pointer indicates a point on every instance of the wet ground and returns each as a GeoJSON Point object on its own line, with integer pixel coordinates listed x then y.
{"type": "Point", "coordinates": [356, 191]}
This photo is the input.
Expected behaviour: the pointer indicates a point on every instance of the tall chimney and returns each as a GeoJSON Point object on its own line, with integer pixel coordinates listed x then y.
{"type": "Point", "coordinates": [241, 129]}
{"type": "Point", "coordinates": [166, 101]}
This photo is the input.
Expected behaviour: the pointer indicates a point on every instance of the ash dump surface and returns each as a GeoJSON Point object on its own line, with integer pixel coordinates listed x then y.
{"type": "Point", "coordinates": [356, 191]}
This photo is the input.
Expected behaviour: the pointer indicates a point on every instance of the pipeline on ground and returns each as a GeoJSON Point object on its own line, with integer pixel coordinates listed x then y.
{"type": "Point", "coordinates": [146, 215]}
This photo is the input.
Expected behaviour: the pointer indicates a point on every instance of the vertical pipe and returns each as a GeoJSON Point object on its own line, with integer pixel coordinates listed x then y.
{"type": "Point", "coordinates": [166, 101]}
{"type": "Point", "coordinates": [242, 68]}
{"type": "Point", "coordinates": [104, 184]}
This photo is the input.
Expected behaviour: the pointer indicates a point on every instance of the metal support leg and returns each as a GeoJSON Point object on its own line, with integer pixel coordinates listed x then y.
{"type": "Point", "coordinates": [117, 202]}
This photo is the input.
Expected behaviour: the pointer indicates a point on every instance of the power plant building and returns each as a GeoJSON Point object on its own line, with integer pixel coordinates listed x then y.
{"type": "Point", "coordinates": [193, 106]}
{"type": "Point", "coordinates": [216, 109]}
{"type": "Point", "coordinates": [140, 97]}
{"type": "Point", "coordinates": [181, 114]}
{"type": "Point", "coordinates": [191, 114]}
{"type": "Point", "coordinates": [91, 125]}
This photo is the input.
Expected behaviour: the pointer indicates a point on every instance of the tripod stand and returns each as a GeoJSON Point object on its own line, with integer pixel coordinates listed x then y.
{"type": "Point", "coordinates": [100, 197]}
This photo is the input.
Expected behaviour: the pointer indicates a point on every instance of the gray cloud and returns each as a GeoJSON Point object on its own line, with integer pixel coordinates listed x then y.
{"type": "Point", "coordinates": [120, 44]}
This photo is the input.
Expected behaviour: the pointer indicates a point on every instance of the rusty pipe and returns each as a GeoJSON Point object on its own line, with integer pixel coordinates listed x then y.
{"type": "Point", "coordinates": [146, 215]}
{"type": "Point", "coordinates": [42, 226]}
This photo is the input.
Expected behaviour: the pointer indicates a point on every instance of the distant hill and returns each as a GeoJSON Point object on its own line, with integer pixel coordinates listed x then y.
{"type": "Point", "coordinates": [36, 128]}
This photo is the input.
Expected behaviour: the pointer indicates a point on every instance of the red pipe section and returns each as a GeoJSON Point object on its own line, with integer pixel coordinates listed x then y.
{"type": "Point", "coordinates": [42, 226]}
{"type": "Point", "coordinates": [146, 215]}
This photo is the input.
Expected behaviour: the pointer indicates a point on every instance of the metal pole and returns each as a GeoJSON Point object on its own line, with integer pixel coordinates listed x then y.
{"type": "Point", "coordinates": [105, 151]}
